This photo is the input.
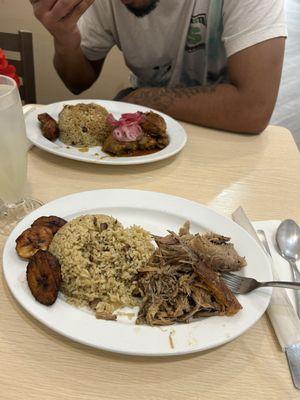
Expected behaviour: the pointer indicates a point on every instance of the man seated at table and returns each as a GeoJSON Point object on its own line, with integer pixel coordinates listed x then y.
{"type": "Point", "coordinates": [213, 63]}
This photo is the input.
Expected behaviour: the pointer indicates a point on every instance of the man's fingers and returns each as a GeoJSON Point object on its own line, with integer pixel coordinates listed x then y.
{"type": "Point", "coordinates": [63, 8]}
{"type": "Point", "coordinates": [66, 12]}
{"type": "Point", "coordinates": [74, 16]}
{"type": "Point", "coordinates": [54, 10]}
{"type": "Point", "coordinates": [41, 7]}
{"type": "Point", "coordinates": [47, 4]}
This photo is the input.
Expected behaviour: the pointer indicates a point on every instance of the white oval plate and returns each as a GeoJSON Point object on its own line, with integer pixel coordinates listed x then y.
{"type": "Point", "coordinates": [95, 155]}
{"type": "Point", "coordinates": [155, 212]}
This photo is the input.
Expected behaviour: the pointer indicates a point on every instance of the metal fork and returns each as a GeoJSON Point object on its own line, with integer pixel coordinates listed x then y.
{"type": "Point", "coordinates": [242, 285]}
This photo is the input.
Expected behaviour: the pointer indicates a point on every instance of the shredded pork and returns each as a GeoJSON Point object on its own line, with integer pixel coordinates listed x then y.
{"type": "Point", "coordinates": [181, 282]}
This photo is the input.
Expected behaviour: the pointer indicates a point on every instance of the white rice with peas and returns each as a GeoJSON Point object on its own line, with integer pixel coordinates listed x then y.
{"type": "Point", "coordinates": [99, 259]}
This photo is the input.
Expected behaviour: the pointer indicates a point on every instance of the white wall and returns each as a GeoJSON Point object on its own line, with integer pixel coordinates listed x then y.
{"type": "Point", "coordinates": [16, 15]}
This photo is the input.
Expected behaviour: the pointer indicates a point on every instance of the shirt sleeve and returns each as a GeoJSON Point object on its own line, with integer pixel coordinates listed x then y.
{"type": "Point", "coordinates": [248, 22]}
{"type": "Point", "coordinates": [96, 36]}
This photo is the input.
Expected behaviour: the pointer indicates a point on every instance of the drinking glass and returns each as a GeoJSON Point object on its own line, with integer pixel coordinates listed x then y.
{"type": "Point", "coordinates": [13, 158]}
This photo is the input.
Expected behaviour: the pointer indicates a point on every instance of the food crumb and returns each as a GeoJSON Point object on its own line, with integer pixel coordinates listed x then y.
{"type": "Point", "coordinates": [192, 341]}
{"type": "Point", "coordinates": [128, 315]}
{"type": "Point", "coordinates": [171, 341]}
{"type": "Point", "coordinates": [83, 149]}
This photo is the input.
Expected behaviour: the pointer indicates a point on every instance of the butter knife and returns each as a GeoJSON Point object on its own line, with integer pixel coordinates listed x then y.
{"type": "Point", "coordinates": [280, 310]}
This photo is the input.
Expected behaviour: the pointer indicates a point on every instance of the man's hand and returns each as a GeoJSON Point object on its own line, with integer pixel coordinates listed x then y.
{"type": "Point", "coordinates": [60, 18]}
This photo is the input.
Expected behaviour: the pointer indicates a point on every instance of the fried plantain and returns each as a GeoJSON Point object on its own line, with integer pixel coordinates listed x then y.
{"type": "Point", "coordinates": [52, 222]}
{"type": "Point", "coordinates": [49, 126]}
{"type": "Point", "coordinates": [32, 240]}
{"type": "Point", "coordinates": [44, 256]}
{"type": "Point", "coordinates": [44, 277]}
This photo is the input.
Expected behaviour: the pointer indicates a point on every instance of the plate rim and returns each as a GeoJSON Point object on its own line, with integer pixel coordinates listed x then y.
{"type": "Point", "coordinates": [139, 160]}
{"type": "Point", "coordinates": [113, 349]}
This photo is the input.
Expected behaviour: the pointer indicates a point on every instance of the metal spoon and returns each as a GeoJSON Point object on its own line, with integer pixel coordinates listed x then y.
{"type": "Point", "coordinates": [288, 241]}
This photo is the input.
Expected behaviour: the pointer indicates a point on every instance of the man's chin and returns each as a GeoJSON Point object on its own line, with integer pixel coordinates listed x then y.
{"type": "Point", "coordinates": [141, 12]}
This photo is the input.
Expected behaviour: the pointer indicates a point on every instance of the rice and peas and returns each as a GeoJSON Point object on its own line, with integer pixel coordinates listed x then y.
{"type": "Point", "coordinates": [99, 259]}
{"type": "Point", "coordinates": [83, 125]}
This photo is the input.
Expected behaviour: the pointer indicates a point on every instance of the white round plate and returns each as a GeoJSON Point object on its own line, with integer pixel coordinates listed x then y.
{"type": "Point", "coordinates": [95, 155]}
{"type": "Point", "coordinates": [155, 212]}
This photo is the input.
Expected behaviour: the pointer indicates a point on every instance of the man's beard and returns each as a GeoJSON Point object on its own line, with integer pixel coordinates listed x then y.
{"type": "Point", "coordinates": [141, 12]}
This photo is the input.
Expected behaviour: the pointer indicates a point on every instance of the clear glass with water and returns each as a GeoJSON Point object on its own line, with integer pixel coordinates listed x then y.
{"type": "Point", "coordinates": [13, 157]}
{"type": "Point", "coordinates": [12, 144]}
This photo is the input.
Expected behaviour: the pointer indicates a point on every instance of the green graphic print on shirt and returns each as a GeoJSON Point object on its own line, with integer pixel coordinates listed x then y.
{"type": "Point", "coordinates": [204, 58]}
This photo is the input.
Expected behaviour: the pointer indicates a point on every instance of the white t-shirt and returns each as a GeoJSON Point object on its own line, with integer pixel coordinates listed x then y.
{"type": "Point", "coordinates": [181, 42]}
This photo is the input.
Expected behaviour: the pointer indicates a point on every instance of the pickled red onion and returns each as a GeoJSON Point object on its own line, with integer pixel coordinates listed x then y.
{"type": "Point", "coordinates": [127, 128]}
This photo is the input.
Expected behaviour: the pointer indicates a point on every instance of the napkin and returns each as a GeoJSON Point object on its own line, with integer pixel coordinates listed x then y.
{"type": "Point", "coordinates": [26, 110]}
{"type": "Point", "coordinates": [282, 308]}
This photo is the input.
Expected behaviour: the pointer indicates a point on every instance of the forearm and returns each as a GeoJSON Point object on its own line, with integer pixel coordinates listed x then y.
{"type": "Point", "coordinates": [73, 68]}
{"type": "Point", "coordinates": [223, 106]}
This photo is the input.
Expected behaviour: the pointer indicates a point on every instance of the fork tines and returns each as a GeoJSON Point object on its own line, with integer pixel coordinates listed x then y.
{"type": "Point", "coordinates": [231, 280]}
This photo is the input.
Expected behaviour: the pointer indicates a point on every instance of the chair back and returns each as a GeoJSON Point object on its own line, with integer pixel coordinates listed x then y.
{"type": "Point", "coordinates": [21, 43]}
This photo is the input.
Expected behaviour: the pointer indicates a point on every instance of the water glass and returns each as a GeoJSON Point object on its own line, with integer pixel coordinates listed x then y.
{"type": "Point", "coordinates": [13, 157]}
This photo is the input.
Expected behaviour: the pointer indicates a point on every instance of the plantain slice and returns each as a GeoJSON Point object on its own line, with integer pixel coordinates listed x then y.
{"type": "Point", "coordinates": [32, 240]}
{"type": "Point", "coordinates": [45, 257]}
{"type": "Point", "coordinates": [49, 126]}
{"type": "Point", "coordinates": [44, 277]}
{"type": "Point", "coordinates": [52, 222]}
